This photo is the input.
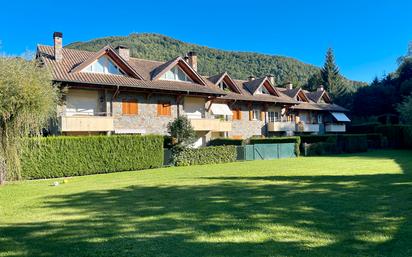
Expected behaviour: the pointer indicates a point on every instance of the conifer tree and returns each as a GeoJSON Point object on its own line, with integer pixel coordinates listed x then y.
{"type": "Point", "coordinates": [332, 80]}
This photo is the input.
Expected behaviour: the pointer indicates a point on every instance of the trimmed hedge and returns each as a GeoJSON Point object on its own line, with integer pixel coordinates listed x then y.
{"type": "Point", "coordinates": [375, 141]}
{"type": "Point", "coordinates": [84, 155]}
{"type": "Point", "coordinates": [398, 136]}
{"type": "Point", "coordinates": [225, 141]}
{"type": "Point", "coordinates": [364, 128]}
{"type": "Point", "coordinates": [310, 139]}
{"type": "Point", "coordinates": [336, 144]}
{"type": "Point", "coordinates": [278, 140]}
{"type": "Point", "coordinates": [206, 155]}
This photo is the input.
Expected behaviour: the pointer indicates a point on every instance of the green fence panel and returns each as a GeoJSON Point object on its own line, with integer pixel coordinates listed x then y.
{"type": "Point", "coordinates": [266, 151]}
{"type": "Point", "coordinates": [249, 152]}
{"type": "Point", "coordinates": [286, 150]}
{"type": "Point", "coordinates": [240, 153]}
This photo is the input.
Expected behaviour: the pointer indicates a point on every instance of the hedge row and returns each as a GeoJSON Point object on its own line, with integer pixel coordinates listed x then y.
{"type": "Point", "coordinates": [225, 141]}
{"type": "Point", "coordinates": [206, 155]}
{"type": "Point", "coordinates": [74, 156]}
{"type": "Point", "coordinates": [364, 128]}
{"type": "Point", "coordinates": [335, 144]}
{"type": "Point", "coordinates": [398, 136]}
{"type": "Point", "coordinates": [279, 140]}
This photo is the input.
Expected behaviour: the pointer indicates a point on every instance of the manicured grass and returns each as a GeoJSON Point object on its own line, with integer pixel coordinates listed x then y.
{"type": "Point", "coordinates": [349, 205]}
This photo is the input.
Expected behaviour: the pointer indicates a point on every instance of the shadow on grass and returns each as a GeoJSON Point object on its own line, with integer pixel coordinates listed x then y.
{"type": "Point", "coordinates": [366, 215]}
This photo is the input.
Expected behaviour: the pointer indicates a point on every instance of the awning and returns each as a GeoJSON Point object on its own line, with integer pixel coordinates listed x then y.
{"type": "Point", "coordinates": [340, 116]}
{"type": "Point", "coordinates": [220, 109]}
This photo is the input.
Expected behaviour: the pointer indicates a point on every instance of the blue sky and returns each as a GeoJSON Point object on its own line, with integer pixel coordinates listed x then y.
{"type": "Point", "coordinates": [367, 36]}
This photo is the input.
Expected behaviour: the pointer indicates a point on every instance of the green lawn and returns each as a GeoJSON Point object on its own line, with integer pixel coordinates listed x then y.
{"type": "Point", "coordinates": [348, 205]}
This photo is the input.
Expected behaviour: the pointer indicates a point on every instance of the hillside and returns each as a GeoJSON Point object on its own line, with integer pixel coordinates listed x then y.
{"type": "Point", "coordinates": [211, 61]}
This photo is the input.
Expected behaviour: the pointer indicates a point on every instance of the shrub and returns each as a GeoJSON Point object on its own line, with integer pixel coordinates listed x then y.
{"type": "Point", "coordinates": [336, 144]}
{"type": "Point", "coordinates": [278, 140]}
{"type": "Point", "coordinates": [364, 128]}
{"type": "Point", "coordinates": [206, 155]}
{"type": "Point", "coordinates": [225, 141]}
{"type": "Point", "coordinates": [398, 136]}
{"type": "Point", "coordinates": [310, 139]}
{"type": "Point", "coordinates": [375, 140]}
{"type": "Point", "coordinates": [84, 155]}
{"type": "Point", "coordinates": [352, 143]}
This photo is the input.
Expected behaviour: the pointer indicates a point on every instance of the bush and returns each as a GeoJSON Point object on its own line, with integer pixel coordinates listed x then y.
{"type": "Point", "coordinates": [364, 128]}
{"type": "Point", "coordinates": [336, 144]}
{"type": "Point", "coordinates": [278, 140]}
{"type": "Point", "coordinates": [225, 141]}
{"type": "Point", "coordinates": [352, 143]}
{"type": "Point", "coordinates": [398, 136]}
{"type": "Point", "coordinates": [310, 139]}
{"type": "Point", "coordinates": [205, 155]}
{"type": "Point", "coordinates": [375, 141]}
{"type": "Point", "coordinates": [84, 155]}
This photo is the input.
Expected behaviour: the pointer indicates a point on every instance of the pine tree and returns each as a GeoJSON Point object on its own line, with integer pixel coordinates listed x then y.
{"type": "Point", "coordinates": [332, 80]}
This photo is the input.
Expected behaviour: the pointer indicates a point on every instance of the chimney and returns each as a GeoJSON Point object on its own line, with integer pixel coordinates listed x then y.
{"type": "Point", "coordinates": [192, 60]}
{"type": "Point", "coordinates": [123, 51]}
{"type": "Point", "coordinates": [58, 46]}
{"type": "Point", "coordinates": [320, 88]}
{"type": "Point", "coordinates": [289, 85]}
{"type": "Point", "coordinates": [251, 78]}
{"type": "Point", "coordinates": [271, 79]}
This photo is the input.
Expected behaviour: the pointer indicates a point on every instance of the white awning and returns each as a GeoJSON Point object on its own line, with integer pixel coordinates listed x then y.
{"type": "Point", "coordinates": [220, 109]}
{"type": "Point", "coordinates": [129, 131]}
{"type": "Point", "coordinates": [340, 116]}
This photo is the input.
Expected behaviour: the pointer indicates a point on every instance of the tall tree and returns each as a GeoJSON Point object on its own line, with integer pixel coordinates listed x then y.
{"type": "Point", "coordinates": [331, 78]}
{"type": "Point", "coordinates": [27, 101]}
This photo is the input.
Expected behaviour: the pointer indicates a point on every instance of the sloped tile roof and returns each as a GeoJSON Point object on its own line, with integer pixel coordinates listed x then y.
{"type": "Point", "coordinates": [72, 58]}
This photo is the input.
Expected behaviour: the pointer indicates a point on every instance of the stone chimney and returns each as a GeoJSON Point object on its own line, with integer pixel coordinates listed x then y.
{"type": "Point", "coordinates": [289, 85]}
{"type": "Point", "coordinates": [271, 79]}
{"type": "Point", "coordinates": [192, 60]}
{"type": "Point", "coordinates": [251, 78]}
{"type": "Point", "coordinates": [320, 88]}
{"type": "Point", "coordinates": [58, 46]}
{"type": "Point", "coordinates": [123, 51]}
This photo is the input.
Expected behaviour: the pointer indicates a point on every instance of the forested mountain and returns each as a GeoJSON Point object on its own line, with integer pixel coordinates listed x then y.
{"type": "Point", "coordinates": [211, 61]}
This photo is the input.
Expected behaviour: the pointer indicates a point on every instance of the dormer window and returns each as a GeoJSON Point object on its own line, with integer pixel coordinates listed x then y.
{"type": "Point", "coordinates": [224, 86]}
{"type": "Point", "coordinates": [263, 90]}
{"type": "Point", "coordinates": [104, 65]}
{"type": "Point", "coordinates": [176, 73]}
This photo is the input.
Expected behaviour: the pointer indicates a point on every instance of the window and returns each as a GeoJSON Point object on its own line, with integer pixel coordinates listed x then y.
{"type": "Point", "coordinates": [164, 109]}
{"type": "Point", "coordinates": [104, 65]}
{"type": "Point", "coordinates": [176, 73]}
{"type": "Point", "coordinates": [224, 86]}
{"type": "Point", "coordinates": [263, 90]}
{"type": "Point", "coordinates": [237, 114]}
{"type": "Point", "coordinates": [320, 118]}
{"type": "Point", "coordinates": [273, 116]}
{"type": "Point", "coordinates": [254, 115]}
{"type": "Point", "coordinates": [129, 107]}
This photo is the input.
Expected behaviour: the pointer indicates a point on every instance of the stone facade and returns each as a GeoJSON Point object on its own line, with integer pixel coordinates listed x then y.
{"type": "Point", "coordinates": [245, 128]}
{"type": "Point", "coordinates": [147, 120]}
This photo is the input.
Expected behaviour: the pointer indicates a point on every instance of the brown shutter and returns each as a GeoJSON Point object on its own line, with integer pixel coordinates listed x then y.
{"type": "Point", "coordinates": [250, 115]}
{"type": "Point", "coordinates": [159, 109]}
{"type": "Point", "coordinates": [234, 113]}
{"type": "Point", "coordinates": [133, 107]}
{"type": "Point", "coordinates": [167, 109]}
{"type": "Point", "coordinates": [239, 114]}
{"type": "Point", "coordinates": [262, 115]}
{"type": "Point", "coordinates": [125, 107]}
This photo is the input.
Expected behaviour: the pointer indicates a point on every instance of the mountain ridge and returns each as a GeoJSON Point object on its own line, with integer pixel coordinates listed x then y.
{"type": "Point", "coordinates": [211, 61]}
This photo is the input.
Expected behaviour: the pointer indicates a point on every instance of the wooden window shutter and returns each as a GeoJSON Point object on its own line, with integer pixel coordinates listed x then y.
{"type": "Point", "coordinates": [159, 109]}
{"type": "Point", "coordinates": [262, 115]}
{"type": "Point", "coordinates": [250, 115]}
{"type": "Point", "coordinates": [125, 107]}
{"type": "Point", "coordinates": [133, 109]}
{"type": "Point", "coordinates": [164, 109]}
{"type": "Point", "coordinates": [239, 114]}
{"type": "Point", "coordinates": [234, 117]}
{"type": "Point", "coordinates": [168, 109]}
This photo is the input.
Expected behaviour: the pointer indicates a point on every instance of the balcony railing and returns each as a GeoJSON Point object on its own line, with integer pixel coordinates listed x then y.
{"type": "Point", "coordinates": [85, 123]}
{"type": "Point", "coordinates": [303, 127]}
{"type": "Point", "coordinates": [215, 125]}
{"type": "Point", "coordinates": [335, 128]}
{"type": "Point", "coordinates": [281, 126]}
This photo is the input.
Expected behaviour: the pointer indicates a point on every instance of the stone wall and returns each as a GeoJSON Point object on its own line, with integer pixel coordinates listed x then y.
{"type": "Point", "coordinates": [246, 128]}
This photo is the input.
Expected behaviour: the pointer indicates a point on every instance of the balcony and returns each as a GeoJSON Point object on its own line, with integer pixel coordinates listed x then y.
{"type": "Point", "coordinates": [86, 123]}
{"type": "Point", "coordinates": [311, 128]}
{"type": "Point", "coordinates": [335, 128]}
{"type": "Point", "coordinates": [215, 125]}
{"type": "Point", "coordinates": [281, 126]}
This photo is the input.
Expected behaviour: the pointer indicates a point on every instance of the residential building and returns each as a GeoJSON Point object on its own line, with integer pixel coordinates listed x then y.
{"type": "Point", "coordinates": [110, 92]}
